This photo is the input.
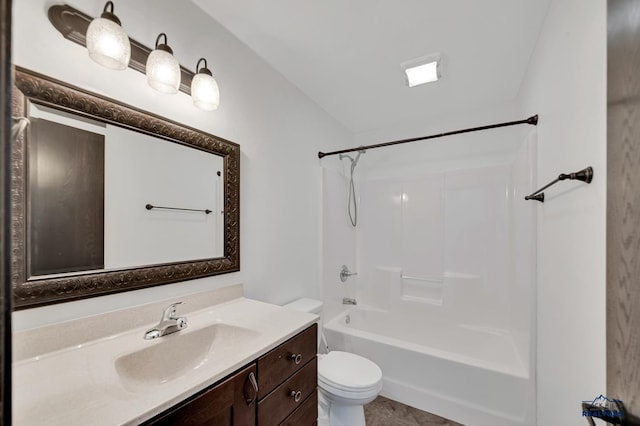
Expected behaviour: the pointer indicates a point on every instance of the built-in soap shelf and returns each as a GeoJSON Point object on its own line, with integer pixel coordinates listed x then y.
{"type": "Point", "coordinates": [429, 289]}
{"type": "Point", "coordinates": [422, 289]}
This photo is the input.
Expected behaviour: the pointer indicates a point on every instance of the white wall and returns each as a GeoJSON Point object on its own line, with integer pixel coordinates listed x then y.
{"type": "Point", "coordinates": [566, 86]}
{"type": "Point", "coordinates": [438, 123]}
{"type": "Point", "coordinates": [278, 128]}
{"type": "Point", "coordinates": [140, 169]}
{"type": "Point", "coordinates": [338, 239]}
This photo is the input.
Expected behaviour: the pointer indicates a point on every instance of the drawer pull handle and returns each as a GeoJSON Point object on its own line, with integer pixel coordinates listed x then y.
{"type": "Point", "coordinates": [254, 385]}
{"type": "Point", "coordinates": [296, 395]}
{"type": "Point", "coordinates": [297, 358]}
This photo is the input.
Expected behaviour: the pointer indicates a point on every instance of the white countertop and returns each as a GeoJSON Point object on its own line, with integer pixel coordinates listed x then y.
{"type": "Point", "coordinates": [80, 385]}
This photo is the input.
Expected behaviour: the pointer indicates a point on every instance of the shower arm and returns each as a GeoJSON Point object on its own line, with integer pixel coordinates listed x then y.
{"type": "Point", "coordinates": [584, 175]}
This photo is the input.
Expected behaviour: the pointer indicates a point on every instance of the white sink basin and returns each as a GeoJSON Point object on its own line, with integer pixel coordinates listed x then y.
{"type": "Point", "coordinates": [175, 355]}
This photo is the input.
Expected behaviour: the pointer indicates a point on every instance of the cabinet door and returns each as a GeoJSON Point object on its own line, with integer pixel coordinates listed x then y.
{"type": "Point", "coordinates": [232, 402]}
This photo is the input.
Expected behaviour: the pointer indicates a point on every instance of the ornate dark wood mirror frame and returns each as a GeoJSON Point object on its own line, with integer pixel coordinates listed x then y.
{"type": "Point", "coordinates": [33, 87]}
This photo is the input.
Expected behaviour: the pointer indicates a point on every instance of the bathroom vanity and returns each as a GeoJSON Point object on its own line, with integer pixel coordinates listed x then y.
{"type": "Point", "coordinates": [239, 361]}
{"type": "Point", "coordinates": [282, 383]}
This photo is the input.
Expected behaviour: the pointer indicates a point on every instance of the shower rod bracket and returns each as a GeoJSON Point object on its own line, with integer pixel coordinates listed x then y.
{"type": "Point", "coordinates": [533, 120]}
{"type": "Point", "coordinates": [584, 175]}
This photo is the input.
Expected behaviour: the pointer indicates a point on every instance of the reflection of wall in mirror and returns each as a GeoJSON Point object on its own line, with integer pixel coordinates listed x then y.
{"type": "Point", "coordinates": [141, 169]}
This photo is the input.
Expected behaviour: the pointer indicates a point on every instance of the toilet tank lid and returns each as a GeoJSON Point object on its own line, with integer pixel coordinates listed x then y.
{"type": "Point", "coordinates": [305, 305]}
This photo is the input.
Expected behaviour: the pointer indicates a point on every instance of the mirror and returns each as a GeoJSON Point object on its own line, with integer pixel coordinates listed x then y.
{"type": "Point", "coordinates": [108, 198]}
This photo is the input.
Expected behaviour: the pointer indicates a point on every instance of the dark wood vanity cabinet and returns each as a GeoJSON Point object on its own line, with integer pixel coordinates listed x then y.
{"type": "Point", "coordinates": [279, 388]}
{"type": "Point", "coordinates": [232, 402]}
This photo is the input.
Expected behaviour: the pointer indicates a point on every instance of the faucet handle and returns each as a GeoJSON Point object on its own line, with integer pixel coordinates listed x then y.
{"type": "Point", "coordinates": [182, 323]}
{"type": "Point", "coordinates": [346, 273]}
{"type": "Point", "coordinates": [170, 312]}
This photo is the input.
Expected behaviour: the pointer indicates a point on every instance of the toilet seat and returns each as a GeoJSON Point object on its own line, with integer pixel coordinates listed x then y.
{"type": "Point", "coordinates": [349, 375]}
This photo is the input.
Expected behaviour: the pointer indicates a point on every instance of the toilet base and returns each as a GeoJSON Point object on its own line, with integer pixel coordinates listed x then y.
{"type": "Point", "coordinates": [337, 414]}
{"type": "Point", "coordinates": [346, 415]}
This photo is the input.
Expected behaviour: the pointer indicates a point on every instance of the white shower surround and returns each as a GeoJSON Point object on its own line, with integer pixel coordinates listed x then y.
{"type": "Point", "coordinates": [445, 252]}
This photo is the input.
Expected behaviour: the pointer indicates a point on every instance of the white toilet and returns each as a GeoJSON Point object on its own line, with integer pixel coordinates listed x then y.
{"type": "Point", "coordinates": [346, 381]}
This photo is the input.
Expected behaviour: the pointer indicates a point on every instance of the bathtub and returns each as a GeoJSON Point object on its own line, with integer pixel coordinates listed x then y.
{"type": "Point", "coordinates": [470, 374]}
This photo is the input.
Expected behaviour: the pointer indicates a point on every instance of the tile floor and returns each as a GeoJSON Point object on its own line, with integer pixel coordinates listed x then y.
{"type": "Point", "coordinates": [385, 412]}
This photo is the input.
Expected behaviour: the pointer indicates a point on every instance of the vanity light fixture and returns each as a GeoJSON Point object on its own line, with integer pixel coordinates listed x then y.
{"type": "Point", "coordinates": [422, 70]}
{"type": "Point", "coordinates": [163, 69]}
{"type": "Point", "coordinates": [107, 43]}
{"type": "Point", "coordinates": [204, 88]}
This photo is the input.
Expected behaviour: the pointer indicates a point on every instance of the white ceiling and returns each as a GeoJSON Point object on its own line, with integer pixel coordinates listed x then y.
{"type": "Point", "coordinates": [346, 54]}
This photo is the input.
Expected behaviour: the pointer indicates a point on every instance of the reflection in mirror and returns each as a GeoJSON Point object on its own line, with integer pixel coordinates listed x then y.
{"type": "Point", "coordinates": [65, 193]}
{"type": "Point", "coordinates": [89, 183]}
{"type": "Point", "coordinates": [108, 198]}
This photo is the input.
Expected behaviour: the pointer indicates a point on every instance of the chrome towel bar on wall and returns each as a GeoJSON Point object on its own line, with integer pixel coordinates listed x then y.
{"type": "Point", "coordinates": [584, 175]}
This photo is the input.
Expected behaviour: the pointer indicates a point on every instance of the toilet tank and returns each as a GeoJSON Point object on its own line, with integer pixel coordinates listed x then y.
{"type": "Point", "coordinates": [311, 306]}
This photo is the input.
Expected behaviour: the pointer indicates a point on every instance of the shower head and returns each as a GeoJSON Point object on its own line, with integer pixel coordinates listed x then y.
{"type": "Point", "coordinates": [353, 215]}
{"type": "Point", "coordinates": [354, 161]}
{"type": "Point", "coordinates": [342, 156]}
{"type": "Point", "coordinates": [358, 157]}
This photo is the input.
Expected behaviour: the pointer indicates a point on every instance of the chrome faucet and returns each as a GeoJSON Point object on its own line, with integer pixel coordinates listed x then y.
{"type": "Point", "coordinates": [169, 323]}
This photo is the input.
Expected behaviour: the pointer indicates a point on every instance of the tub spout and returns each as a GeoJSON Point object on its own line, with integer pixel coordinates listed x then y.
{"type": "Point", "coordinates": [349, 301]}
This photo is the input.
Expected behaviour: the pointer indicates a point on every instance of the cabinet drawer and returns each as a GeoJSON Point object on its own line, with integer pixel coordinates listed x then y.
{"type": "Point", "coordinates": [281, 402]}
{"type": "Point", "coordinates": [280, 363]}
{"type": "Point", "coordinates": [306, 414]}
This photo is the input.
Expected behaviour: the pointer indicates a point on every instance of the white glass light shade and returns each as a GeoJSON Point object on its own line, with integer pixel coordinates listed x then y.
{"type": "Point", "coordinates": [108, 44]}
{"type": "Point", "coordinates": [163, 71]}
{"type": "Point", "coordinates": [205, 92]}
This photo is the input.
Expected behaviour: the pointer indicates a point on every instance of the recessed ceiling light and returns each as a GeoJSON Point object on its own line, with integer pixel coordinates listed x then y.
{"type": "Point", "coordinates": [422, 70]}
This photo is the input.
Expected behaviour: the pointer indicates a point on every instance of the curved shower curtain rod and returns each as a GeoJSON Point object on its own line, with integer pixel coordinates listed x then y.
{"type": "Point", "coordinates": [533, 120]}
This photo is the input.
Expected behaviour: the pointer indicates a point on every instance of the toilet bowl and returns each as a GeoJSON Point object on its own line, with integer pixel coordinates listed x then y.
{"type": "Point", "coordinates": [346, 381]}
